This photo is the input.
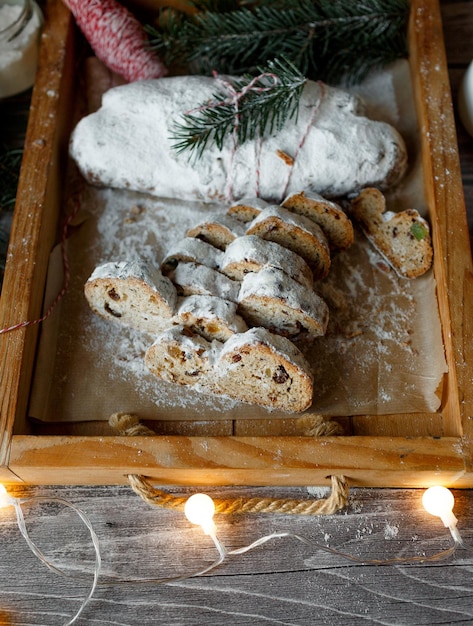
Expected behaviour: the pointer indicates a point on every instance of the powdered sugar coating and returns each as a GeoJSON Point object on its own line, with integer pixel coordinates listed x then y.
{"type": "Point", "coordinates": [132, 294]}
{"type": "Point", "coordinates": [296, 232]}
{"type": "Point", "coordinates": [257, 366]}
{"type": "Point", "coordinates": [191, 278]}
{"type": "Point", "coordinates": [210, 316]}
{"type": "Point", "coordinates": [250, 253]}
{"type": "Point", "coordinates": [180, 357]}
{"type": "Point", "coordinates": [246, 209]}
{"type": "Point", "coordinates": [219, 231]}
{"type": "Point", "coordinates": [331, 218]}
{"type": "Point", "coordinates": [193, 250]}
{"type": "Point", "coordinates": [272, 299]}
{"type": "Point", "coordinates": [128, 144]}
{"type": "Point", "coordinates": [277, 343]}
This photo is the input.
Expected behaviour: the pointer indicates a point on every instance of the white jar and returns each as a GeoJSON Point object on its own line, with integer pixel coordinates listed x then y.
{"type": "Point", "coordinates": [20, 26]}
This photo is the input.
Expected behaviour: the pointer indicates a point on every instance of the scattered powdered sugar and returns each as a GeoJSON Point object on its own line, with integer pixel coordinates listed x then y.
{"type": "Point", "coordinates": [391, 531]}
{"type": "Point", "coordinates": [382, 353]}
{"type": "Point", "coordinates": [369, 338]}
{"type": "Point", "coordinates": [318, 492]}
{"type": "Point", "coordinates": [140, 226]}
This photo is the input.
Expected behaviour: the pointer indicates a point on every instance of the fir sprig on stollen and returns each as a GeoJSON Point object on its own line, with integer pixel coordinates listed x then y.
{"type": "Point", "coordinates": [330, 40]}
{"type": "Point", "coordinates": [247, 107]}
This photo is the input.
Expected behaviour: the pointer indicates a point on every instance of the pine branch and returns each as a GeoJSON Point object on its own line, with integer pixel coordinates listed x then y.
{"type": "Point", "coordinates": [324, 39]}
{"type": "Point", "coordinates": [265, 104]}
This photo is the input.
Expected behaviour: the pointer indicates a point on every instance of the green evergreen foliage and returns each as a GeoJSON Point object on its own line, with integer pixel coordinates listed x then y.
{"type": "Point", "coordinates": [265, 108]}
{"type": "Point", "coordinates": [330, 40]}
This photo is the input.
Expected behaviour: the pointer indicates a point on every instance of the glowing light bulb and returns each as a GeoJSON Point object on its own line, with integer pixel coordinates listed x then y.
{"type": "Point", "coordinates": [199, 509]}
{"type": "Point", "coordinates": [439, 501]}
{"type": "Point", "coordinates": [5, 499]}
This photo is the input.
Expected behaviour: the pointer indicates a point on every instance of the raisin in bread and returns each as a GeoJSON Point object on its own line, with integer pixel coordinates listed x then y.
{"type": "Point", "coordinates": [254, 367]}
{"type": "Point", "coordinates": [250, 253]}
{"type": "Point", "coordinates": [258, 367]}
{"type": "Point", "coordinates": [209, 316]}
{"type": "Point", "coordinates": [192, 250]}
{"type": "Point", "coordinates": [133, 294]}
{"type": "Point", "coordinates": [331, 218]}
{"type": "Point", "coordinates": [295, 232]}
{"type": "Point", "coordinates": [402, 238]}
{"type": "Point", "coordinates": [182, 357]}
{"type": "Point", "coordinates": [275, 301]}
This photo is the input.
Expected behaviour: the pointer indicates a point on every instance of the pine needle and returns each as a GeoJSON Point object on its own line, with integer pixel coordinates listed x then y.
{"type": "Point", "coordinates": [263, 109]}
{"type": "Point", "coordinates": [328, 40]}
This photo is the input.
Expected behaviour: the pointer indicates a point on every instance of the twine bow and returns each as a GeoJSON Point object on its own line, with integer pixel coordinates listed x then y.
{"type": "Point", "coordinates": [234, 100]}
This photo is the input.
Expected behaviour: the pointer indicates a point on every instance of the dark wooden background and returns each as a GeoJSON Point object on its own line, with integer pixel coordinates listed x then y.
{"type": "Point", "coordinates": [283, 582]}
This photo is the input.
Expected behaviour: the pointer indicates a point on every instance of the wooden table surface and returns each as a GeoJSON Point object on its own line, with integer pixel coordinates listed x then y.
{"type": "Point", "coordinates": [283, 582]}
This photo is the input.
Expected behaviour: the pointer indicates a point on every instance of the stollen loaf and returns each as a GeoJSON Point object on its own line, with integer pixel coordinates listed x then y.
{"type": "Point", "coordinates": [328, 148]}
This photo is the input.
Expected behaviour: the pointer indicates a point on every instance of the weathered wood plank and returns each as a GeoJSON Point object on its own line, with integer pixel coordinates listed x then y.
{"type": "Point", "coordinates": [282, 582]}
{"type": "Point", "coordinates": [375, 461]}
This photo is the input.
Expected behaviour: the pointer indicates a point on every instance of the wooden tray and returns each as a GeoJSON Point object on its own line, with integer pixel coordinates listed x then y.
{"type": "Point", "coordinates": [396, 451]}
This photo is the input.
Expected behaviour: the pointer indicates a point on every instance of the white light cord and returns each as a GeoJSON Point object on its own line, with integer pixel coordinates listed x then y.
{"type": "Point", "coordinates": [224, 553]}
{"type": "Point", "coordinates": [201, 513]}
{"type": "Point", "coordinates": [37, 552]}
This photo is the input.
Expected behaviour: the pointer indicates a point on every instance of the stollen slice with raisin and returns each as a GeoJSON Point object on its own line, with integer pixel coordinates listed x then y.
{"type": "Point", "coordinates": [402, 238]}
{"type": "Point", "coordinates": [133, 294]}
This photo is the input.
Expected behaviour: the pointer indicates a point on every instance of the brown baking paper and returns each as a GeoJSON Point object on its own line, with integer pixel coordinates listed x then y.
{"type": "Point", "coordinates": [383, 352]}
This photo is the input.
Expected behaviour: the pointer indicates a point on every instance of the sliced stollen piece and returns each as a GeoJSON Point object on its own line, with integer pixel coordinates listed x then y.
{"type": "Point", "coordinates": [247, 209]}
{"type": "Point", "coordinates": [180, 356]}
{"type": "Point", "coordinates": [331, 218]}
{"type": "Point", "coordinates": [191, 250]}
{"type": "Point", "coordinates": [250, 253]}
{"type": "Point", "coordinates": [190, 279]}
{"type": "Point", "coordinates": [218, 231]}
{"type": "Point", "coordinates": [275, 301]}
{"type": "Point", "coordinates": [209, 316]}
{"type": "Point", "coordinates": [296, 232]}
{"type": "Point", "coordinates": [258, 367]}
{"type": "Point", "coordinates": [402, 238]}
{"type": "Point", "coordinates": [133, 294]}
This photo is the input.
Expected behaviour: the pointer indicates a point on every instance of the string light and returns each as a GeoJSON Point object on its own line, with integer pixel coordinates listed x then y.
{"type": "Point", "coordinates": [200, 508]}
{"type": "Point", "coordinates": [439, 501]}
{"type": "Point", "coordinates": [7, 500]}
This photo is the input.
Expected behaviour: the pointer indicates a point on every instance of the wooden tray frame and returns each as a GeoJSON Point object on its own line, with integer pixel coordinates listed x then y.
{"type": "Point", "coordinates": [258, 454]}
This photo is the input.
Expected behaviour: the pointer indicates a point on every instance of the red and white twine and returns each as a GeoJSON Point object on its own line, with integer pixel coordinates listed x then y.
{"type": "Point", "coordinates": [67, 277]}
{"type": "Point", "coordinates": [117, 38]}
{"type": "Point", "coordinates": [315, 110]}
{"type": "Point", "coordinates": [234, 99]}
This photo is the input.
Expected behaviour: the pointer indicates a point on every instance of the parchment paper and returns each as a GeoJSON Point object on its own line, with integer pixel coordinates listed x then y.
{"type": "Point", "coordinates": [383, 352]}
